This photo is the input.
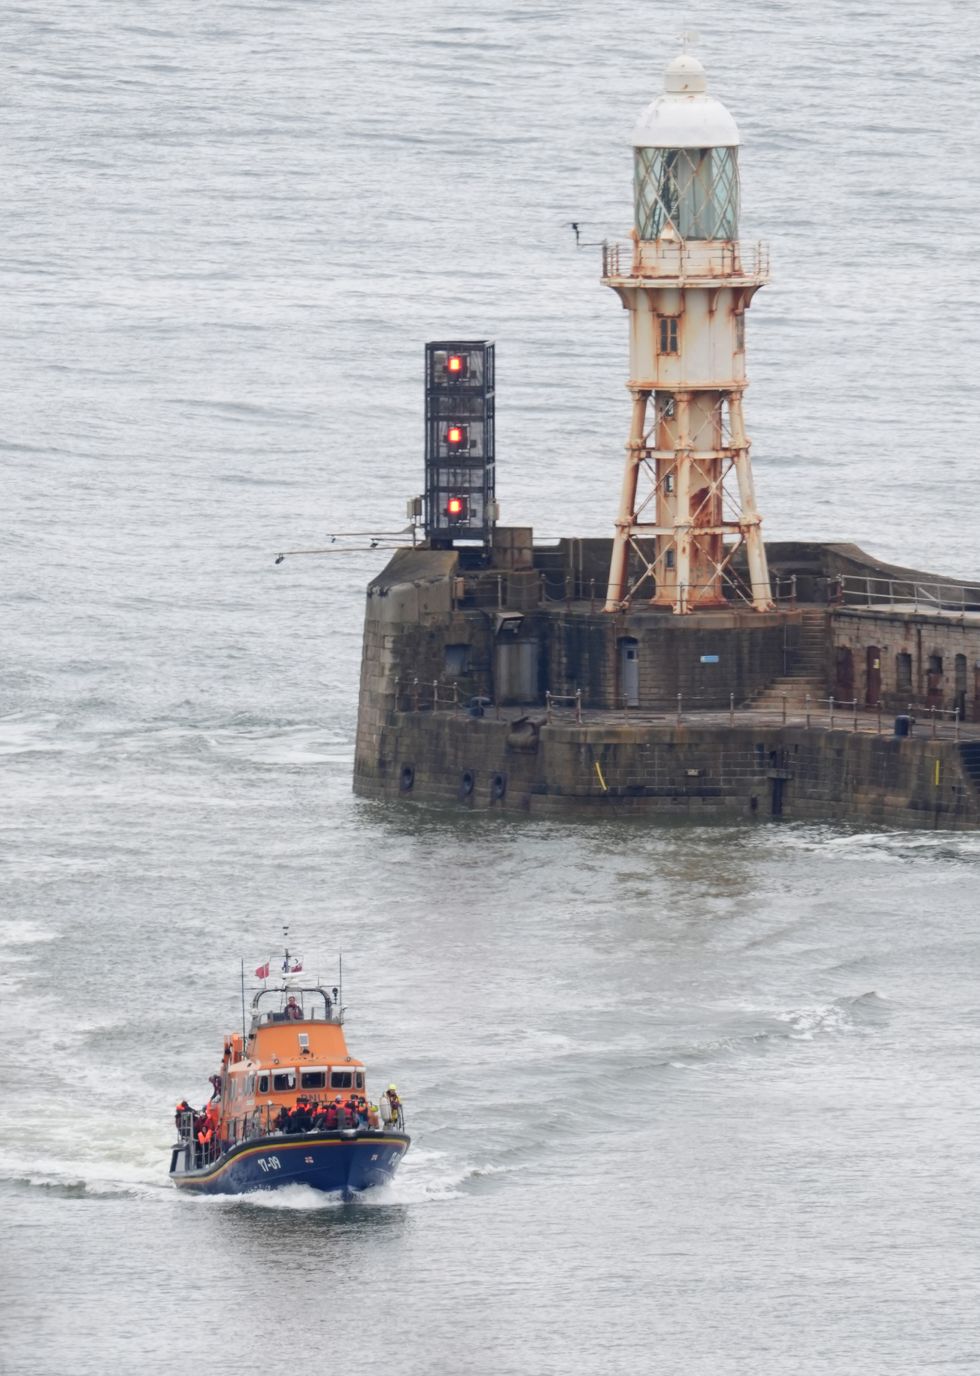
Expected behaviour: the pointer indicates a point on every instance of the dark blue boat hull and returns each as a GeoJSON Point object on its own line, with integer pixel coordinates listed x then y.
{"type": "Point", "coordinates": [343, 1163]}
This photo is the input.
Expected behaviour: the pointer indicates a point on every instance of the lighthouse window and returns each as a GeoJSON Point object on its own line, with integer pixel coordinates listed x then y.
{"type": "Point", "coordinates": [668, 334]}
{"type": "Point", "coordinates": [695, 190]}
{"type": "Point", "coordinates": [669, 559]}
{"type": "Point", "coordinates": [283, 1080]}
{"type": "Point", "coordinates": [668, 482]}
{"type": "Point", "coordinates": [740, 330]}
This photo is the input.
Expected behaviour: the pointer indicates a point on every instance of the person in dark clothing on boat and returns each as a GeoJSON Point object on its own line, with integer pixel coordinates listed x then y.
{"type": "Point", "coordinates": [293, 1010]}
{"type": "Point", "coordinates": [331, 1117]}
{"type": "Point", "coordinates": [341, 1113]}
{"type": "Point", "coordinates": [299, 1119]}
{"type": "Point", "coordinates": [215, 1086]}
{"type": "Point", "coordinates": [281, 1123]}
{"type": "Point", "coordinates": [179, 1119]}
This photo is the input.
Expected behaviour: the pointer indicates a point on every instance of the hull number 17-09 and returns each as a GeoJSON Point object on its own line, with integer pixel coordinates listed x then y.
{"type": "Point", "coordinates": [269, 1163]}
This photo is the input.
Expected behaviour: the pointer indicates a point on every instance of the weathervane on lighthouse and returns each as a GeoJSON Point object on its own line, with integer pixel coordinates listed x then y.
{"type": "Point", "coordinates": [687, 503]}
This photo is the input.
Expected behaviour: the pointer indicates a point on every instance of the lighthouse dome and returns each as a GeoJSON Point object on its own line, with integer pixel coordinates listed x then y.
{"type": "Point", "coordinates": [685, 116]}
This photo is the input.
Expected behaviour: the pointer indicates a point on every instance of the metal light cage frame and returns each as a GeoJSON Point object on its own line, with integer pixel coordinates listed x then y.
{"type": "Point", "coordinates": [463, 470]}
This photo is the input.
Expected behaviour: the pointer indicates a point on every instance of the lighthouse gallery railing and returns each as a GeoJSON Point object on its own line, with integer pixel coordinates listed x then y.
{"type": "Point", "coordinates": [685, 259]}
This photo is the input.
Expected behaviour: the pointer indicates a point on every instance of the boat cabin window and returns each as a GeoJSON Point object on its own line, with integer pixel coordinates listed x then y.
{"type": "Point", "coordinates": [263, 1084]}
{"type": "Point", "coordinates": [283, 1079]}
{"type": "Point", "coordinates": [313, 1079]}
{"type": "Point", "coordinates": [342, 1079]}
{"type": "Point", "coordinates": [359, 1079]}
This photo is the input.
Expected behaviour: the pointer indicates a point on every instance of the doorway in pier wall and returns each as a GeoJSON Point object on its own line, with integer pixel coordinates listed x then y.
{"type": "Point", "coordinates": [959, 686]}
{"type": "Point", "coordinates": [515, 671]}
{"type": "Point", "coordinates": [629, 670]}
{"type": "Point", "coordinates": [872, 677]}
{"type": "Point", "coordinates": [844, 677]}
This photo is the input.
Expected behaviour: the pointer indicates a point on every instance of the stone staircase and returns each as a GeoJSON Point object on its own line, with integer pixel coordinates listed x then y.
{"type": "Point", "coordinates": [807, 672]}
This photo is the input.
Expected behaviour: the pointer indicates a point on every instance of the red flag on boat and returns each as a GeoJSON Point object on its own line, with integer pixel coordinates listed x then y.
{"type": "Point", "coordinates": [263, 971]}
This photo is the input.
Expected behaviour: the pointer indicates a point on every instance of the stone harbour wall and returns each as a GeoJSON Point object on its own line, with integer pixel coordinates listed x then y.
{"type": "Point", "coordinates": [689, 769]}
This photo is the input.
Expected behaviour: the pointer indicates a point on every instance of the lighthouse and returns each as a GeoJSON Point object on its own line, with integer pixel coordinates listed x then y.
{"type": "Point", "coordinates": [687, 505]}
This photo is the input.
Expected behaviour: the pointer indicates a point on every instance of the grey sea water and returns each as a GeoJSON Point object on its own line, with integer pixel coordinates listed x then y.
{"type": "Point", "coordinates": [694, 1101]}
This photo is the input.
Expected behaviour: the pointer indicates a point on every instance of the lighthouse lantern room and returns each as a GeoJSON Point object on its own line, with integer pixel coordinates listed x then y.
{"type": "Point", "coordinates": [687, 503]}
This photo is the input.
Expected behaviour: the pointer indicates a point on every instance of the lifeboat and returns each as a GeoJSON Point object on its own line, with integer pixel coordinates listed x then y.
{"type": "Point", "coordinates": [290, 1104]}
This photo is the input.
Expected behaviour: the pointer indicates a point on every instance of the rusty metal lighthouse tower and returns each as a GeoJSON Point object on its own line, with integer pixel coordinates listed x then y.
{"type": "Point", "coordinates": [687, 503]}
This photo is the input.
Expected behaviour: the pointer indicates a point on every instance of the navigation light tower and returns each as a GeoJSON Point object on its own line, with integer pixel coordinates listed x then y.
{"type": "Point", "coordinates": [686, 281]}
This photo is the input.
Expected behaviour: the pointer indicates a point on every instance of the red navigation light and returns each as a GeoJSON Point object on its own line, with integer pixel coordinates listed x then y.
{"type": "Point", "coordinates": [455, 436]}
{"type": "Point", "coordinates": [456, 365]}
{"type": "Point", "coordinates": [457, 508]}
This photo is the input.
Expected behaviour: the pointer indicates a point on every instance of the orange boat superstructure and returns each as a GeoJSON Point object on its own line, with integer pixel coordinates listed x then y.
{"type": "Point", "coordinates": [290, 1105]}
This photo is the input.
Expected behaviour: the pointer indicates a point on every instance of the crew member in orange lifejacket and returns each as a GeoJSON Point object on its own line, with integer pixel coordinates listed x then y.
{"type": "Point", "coordinates": [204, 1145]}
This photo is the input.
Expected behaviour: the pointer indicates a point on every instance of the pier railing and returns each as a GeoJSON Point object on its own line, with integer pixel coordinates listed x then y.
{"type": "Point", "coordinates": [811, 712]}
{"type": "Point", "coordinates": [942, 595]}
{"type": "Point", "coordinates": [527, 590]}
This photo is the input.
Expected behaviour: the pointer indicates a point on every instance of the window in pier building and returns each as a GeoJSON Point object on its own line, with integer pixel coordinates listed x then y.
{"type": "Point", "coordinates": [456, 660]}
{"type": "Point", "coordinates": [903, 673]}
{"type": "Point", "coordinates": [935, 664]}
{"type": "Point", "coordinates": [668, 334]}
{"type": "Point", "coordinates": [693, 190]}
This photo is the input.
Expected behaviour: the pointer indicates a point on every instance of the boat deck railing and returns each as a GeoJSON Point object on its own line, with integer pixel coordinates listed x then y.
{"type": "Point", "coordinates": [261, 1123]}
